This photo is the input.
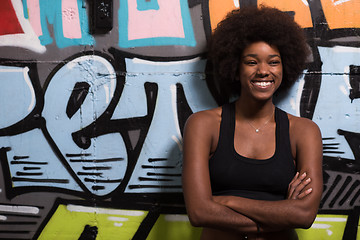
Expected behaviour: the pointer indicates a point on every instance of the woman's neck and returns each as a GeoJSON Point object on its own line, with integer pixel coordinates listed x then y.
{"type": "Point", "coordinates": [254, 109]}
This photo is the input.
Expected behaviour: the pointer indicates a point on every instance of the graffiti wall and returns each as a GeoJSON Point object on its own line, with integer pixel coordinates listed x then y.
{"type": "Point", "coordinates": [93, 100]}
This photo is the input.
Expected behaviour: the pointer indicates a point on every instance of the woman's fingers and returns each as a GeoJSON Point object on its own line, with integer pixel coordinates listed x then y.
{"type": "Point", "coordinates": [295, 177]}
{"type": "Point", "coordinates": [294, 183]}
{"type": "Point", "coordinates": [304, 193]}
{"type": "Point", "coordinates": [297, 186]}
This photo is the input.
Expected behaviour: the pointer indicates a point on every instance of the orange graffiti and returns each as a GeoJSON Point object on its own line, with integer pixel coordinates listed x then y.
{"type": "Point", "coordinates": [218, 10]}
{"type": "Point", "coordinates": [342, 13]}
{"type": "Point", "coordinates": [300, 7]}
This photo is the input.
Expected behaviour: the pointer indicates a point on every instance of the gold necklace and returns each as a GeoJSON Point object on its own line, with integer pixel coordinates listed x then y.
{"type": "Point", "coordinates": [257, 130]}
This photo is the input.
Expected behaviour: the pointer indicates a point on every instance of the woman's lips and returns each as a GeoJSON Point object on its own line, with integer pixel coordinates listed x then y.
{"type": "Point", "coordinates": [262, 84]}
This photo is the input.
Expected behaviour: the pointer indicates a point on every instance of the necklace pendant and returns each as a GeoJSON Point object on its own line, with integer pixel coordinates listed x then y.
{"type": "Point", "coordinates": [257, 130]}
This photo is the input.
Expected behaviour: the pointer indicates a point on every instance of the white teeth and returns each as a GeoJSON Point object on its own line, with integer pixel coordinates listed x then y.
{"type": "Point", "coordinates": [262, 84]}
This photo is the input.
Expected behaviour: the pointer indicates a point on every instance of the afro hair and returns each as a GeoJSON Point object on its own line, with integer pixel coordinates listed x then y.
{"type": "Point", "coordinates": [245, 26]}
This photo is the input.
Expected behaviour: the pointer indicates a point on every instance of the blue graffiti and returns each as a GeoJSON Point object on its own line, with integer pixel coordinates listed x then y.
{"type": "Point", "coordinates": [334, 112]}
{"type": "Point", "coordinates": [51, 13]}
{"type": "Point", "coordinates": [143, 5]}
{"type": "Point", "coordinates": [159, 164]}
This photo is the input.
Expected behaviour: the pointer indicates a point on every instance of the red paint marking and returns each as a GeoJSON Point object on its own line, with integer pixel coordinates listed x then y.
{"type": "Point", "coordinates": [9, 23]}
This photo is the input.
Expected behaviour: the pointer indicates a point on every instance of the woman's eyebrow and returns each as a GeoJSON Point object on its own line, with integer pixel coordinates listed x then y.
{"type": "Point", "coordinates": [255, 55]}
{"type": "Point", "coordinates": [274, 55]}
{"type": "Point", "coordinates": [250, 55]}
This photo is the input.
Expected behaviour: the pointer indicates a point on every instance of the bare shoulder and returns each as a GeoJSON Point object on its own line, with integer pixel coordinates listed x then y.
{"type": "Point", "coordinates": [203, 128]}
{"type": "Point", "coordinates": [303, 128]}
{"type": "Point", "coordinates": [306, 144]}
{"type": "Point", "coordinates": [204, 119]}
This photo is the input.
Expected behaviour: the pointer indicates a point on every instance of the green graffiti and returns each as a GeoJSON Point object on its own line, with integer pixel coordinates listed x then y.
{"type": "Point", "coordinates": [178, 227]}
{"type": "Point", "coordinates": [325, 227]}
{"type": "Point", "coordinates": [174, 227]}
{"type": "Point", "coordinates": [69, 221]}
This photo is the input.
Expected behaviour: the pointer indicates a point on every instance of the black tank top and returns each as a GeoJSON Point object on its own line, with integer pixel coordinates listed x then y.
{"type": "Point", "coordinates": [236, 175]}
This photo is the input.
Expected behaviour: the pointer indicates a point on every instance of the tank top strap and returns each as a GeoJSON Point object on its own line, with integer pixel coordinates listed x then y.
{"type": "Point", "coordinates": [227, 125]}
{"type": "Point", "coordinates": [282, 133]}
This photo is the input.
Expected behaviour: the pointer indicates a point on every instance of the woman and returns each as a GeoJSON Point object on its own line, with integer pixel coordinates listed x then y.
{"type": "Point", "coordinates": [252, 171]}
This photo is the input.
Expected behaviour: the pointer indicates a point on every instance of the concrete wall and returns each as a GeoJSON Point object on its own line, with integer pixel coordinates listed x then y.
{"type": "Point", "coordinates": [93, 101]}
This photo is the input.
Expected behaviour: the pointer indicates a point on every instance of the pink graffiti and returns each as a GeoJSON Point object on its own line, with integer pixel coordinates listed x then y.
{"type": "Point", "coordinates": [70, 19]}
{"type": "Point", "coordinates": [34, 16]}
{"type": "Point", "coordinates": [165, 22]}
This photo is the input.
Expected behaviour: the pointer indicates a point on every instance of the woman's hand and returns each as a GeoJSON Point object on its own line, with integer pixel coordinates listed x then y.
{"type": "Point", "coordinates": [296, 189]}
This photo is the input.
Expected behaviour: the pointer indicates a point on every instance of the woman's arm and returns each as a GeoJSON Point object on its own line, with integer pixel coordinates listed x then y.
{"type": "Point", "coordinates": [202, 210]}
{"type": "Point", "coordinates": [300, 209]}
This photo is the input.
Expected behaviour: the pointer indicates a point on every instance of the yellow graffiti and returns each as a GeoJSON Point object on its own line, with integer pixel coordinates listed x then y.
{"type": "Point", "coordinates": [300, 7]}
{"type": "Point", "coordinates": [342, 13]}
{"type": "Point", "coordinates": [68, 222]}
{"type": "Point", "coordinates": [325, 227]}
{"type": "Point", "coordinates": [174, 227]}
{"type": "Point", "coordinates": [178, 227]}
{"type": "Point", "coordinates": [358, 230]}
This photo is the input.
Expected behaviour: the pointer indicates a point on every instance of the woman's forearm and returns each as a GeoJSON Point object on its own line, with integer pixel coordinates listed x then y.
{"type": "Point", "coordinates": [210, 214]}
{"type": "Point", "coordinates": [272, 215]}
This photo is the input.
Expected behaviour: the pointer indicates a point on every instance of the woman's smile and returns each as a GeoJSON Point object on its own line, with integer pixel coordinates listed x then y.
{"type": "Point", "coordinates": [263, 84]}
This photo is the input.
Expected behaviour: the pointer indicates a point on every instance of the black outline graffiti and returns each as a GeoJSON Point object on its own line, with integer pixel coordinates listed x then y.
{"type": "Point", "coordinates": [33, 119]}
{"type": "Point", "coordinates": [312, 83]}
{"type": "Point", "coordinates": [183, 105]}
{"type": "Point", "coordinates": [335, 192]}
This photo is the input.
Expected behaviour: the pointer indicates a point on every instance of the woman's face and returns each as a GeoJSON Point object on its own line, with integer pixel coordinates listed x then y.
{"type": "Point", "coordinates": [261, 71]}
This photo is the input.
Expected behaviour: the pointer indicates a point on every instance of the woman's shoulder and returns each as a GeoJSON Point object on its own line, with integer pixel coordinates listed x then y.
{"type": "Point", "coordinates": [300, 122]}
{"type": "Point", "coordinates": [301, 126]}
{"type": "Point", "coordinates": [205, 119]}
{"type": "Point", "coordinates": [202, 129]}
{"type": "Point", "coordinates": [207, 115]}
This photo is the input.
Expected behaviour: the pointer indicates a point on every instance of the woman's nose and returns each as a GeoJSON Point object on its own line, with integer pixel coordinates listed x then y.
{"type": "Point", "coordinates": [262, 70]}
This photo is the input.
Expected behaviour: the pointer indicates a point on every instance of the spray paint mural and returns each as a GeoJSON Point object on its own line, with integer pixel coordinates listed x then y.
{"type": "Point", "coordinates": [94, 96]}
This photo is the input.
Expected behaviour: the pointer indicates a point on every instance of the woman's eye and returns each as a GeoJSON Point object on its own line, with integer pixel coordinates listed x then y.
{"type": "Point", "coordinates": [250, 62]}
{"type": "Point", "coordinates": [274, 62]}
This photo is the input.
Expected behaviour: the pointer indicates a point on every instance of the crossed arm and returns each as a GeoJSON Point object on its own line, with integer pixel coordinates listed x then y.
{"type": "Point", "coordinates": [246, 215]}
